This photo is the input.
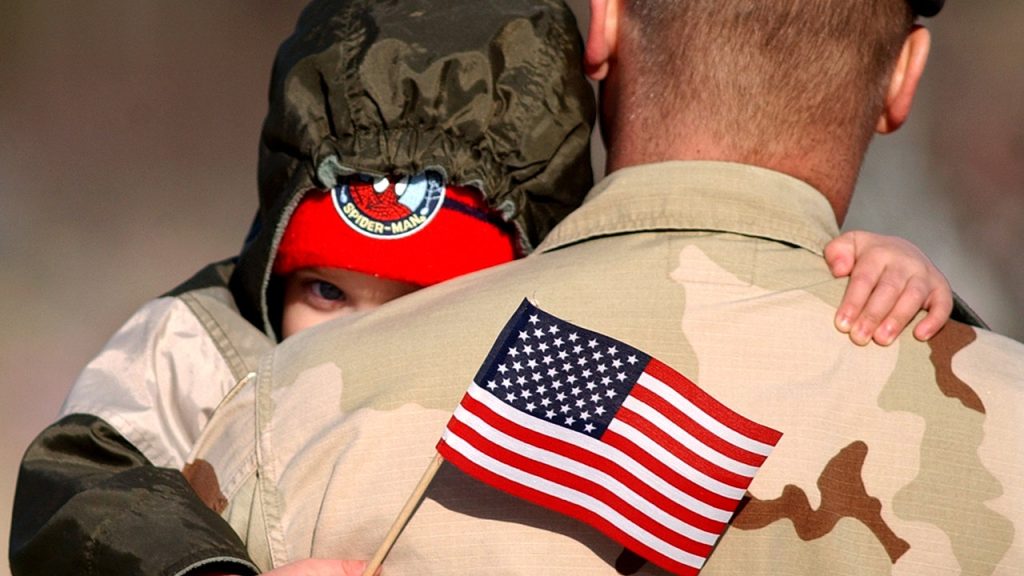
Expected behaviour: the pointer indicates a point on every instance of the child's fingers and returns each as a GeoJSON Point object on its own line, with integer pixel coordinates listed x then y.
{"type": "Point", "coordinates": [840, 254]}
{"type": "Point", "coordinates": [939, 309]}
{"type": "Point", "coordinates": [913, 297]}
{"type": "Point", "coordinates": [882, 300]}
{"type": "Point", "coordinates": [858, 290]}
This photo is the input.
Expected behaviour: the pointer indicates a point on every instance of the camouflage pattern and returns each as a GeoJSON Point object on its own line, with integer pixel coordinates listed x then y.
{"type": "Point", "coordinates": [907, 459]}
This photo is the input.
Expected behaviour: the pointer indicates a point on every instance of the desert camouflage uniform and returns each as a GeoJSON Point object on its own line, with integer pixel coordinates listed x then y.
{"type": "Point", "coordinates": [907, 459]}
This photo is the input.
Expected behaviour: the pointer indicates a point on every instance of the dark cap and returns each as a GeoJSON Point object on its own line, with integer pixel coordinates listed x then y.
{"type": "Point", "coordinates": [926, 8]}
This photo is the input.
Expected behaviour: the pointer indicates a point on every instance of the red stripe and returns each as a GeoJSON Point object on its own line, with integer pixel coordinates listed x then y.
{"type": "Point", "coordinates": [663, 470]}
{"type": "Point", "coordinates": [679, 449]}
{"type": "Point", "coordinates": [580, 484]}
{"type": "Point", "coordinates": [712, 407]}
{"type": "Point", "coordinates": [677, 416]}
{"type": "Point", "coordinates": [580, 513]}
{"type": "Point", "coordinates": [609, 466]}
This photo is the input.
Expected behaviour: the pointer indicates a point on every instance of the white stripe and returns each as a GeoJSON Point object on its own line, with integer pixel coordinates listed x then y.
{"type": "Point", "coordinates": [635, 468]}
{"type": "Point", "coordinates": [582, 470]}
{"type": "Point", "coordinates": [704, 419]}
{"type": "Point", "coordinates": [658, 452]}
{"type": "Point", "coordinates": [664, 424]}
{"type": "Point", "coordinates": [561, 492]}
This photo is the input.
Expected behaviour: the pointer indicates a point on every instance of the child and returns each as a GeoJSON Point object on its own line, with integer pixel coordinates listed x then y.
{"type": "Point", "coordinates": [377, 109]}
{"type": "Point", "coordinates": [372, 240]}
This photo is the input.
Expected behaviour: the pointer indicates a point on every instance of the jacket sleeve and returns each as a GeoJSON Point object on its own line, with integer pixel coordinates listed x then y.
{"type": "Point", "coordinates": [87, 502]}
{"type": "Point", "coordinates": [101, 491]}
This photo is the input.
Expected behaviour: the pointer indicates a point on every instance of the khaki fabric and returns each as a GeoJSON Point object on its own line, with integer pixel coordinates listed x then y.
{"type": "Point", "coordinates": [901, 460]}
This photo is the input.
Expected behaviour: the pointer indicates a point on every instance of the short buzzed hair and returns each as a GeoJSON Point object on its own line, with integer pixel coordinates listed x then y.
{"type": "Point", "coordinates": [759, 73]}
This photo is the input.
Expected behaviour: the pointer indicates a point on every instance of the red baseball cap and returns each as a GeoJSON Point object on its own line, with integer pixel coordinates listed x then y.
{"type": "Point", "coordinates": [412, 229]}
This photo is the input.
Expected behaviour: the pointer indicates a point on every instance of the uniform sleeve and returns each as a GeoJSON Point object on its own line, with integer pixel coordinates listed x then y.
{"type": "Point", "coordinates": [87, 502]}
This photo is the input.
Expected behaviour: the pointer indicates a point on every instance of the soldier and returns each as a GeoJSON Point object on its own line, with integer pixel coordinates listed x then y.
{"type": "Point", "coordinates": [528, 159]}
{"type": "Point", "coordinates": [703, 248]}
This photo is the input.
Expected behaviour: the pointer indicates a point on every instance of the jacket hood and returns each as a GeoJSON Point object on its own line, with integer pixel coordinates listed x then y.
{"type": "Point", "coordinates": [490, 94]}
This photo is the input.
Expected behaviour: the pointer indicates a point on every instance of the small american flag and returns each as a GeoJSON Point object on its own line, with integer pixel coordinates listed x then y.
{"type": "Point", "coordinates": [590, 427]}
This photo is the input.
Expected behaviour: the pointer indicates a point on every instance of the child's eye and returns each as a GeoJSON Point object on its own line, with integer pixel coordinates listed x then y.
{"type": "Point", "coordinates": [326, 290]}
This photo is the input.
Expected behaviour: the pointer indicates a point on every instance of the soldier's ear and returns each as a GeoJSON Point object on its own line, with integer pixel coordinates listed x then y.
{"type": "Point", "coordinates": [904, 80]}
{"type": "Point", "coordinates": [602, 37]}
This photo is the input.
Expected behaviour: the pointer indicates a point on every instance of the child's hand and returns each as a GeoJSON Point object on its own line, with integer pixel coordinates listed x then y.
{"type": "Point", "coordinates": [890, 280]}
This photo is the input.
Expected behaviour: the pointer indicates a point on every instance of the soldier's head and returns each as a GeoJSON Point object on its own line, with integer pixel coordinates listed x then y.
{"type": "Point", "coordinates": [766, 82]}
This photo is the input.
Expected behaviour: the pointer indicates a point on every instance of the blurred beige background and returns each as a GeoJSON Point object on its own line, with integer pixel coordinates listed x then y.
{"type": "Point", "coordinates": [128, 136]}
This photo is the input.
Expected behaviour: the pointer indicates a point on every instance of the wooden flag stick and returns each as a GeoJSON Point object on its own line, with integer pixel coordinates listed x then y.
{"type": "Point", "coordinates": [404, 516]}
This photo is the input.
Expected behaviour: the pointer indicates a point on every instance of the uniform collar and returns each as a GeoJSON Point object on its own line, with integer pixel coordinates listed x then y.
{"type": "Point", "coordinates": [705, 196]}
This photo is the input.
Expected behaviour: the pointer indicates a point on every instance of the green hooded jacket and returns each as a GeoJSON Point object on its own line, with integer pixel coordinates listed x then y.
{"type": "Point", "coordinates": [489, 93]}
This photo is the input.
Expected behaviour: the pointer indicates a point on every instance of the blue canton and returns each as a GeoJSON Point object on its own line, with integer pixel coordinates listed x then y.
{"type": "Point", "coordinates": [559, 372]}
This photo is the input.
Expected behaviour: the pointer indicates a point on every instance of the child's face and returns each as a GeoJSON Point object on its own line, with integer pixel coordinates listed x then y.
{"type": "Point", "coordinates": [315, 295]}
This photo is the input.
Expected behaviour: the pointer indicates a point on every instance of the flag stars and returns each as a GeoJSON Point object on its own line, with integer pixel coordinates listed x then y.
{"type": "Point", "coordinates": [524, 335]}
{"type": "Point", "coordinates": [492, 385]}
{"type": "Point", "coordinates": [584, 416]}
{"type": "Point", "coordinates": [574, 337]}
{"type": "Point", "coordinates": [545, 402]}
{"type": "Point", "coordinates": [562, 354]}
{"type": "Point", "coordinates": [606, 381]}
{"type": "Point", "coordinates": [552, 373]}
{"type": "Point", "coordinates": [602, 368]}
{"type": "Point", "coordinates": [591, 385]}
{"type": "Point", "coordinates": [550, 414]}
{"type": "Point", "coordinates": [543, 347]}
{"type": "Point", "coordinates": [589, 428]}
{"type": "Point", "coordinates": [571, 379]}
{"type": "Point", "coordinates": [577, 349]}
{"type": "Point", "coordinates": [503, 369]}
{"type": "Point", "coordinates": [521, 380]}
{"type": "Point", "coordinates": [595, 398]}
{"type": "Point", "coordinates": [531, 364]}
{"type": "Point", "coordinates": [613, 350]}
{"type": "Point", "coordinates": [538, 333]}
{"type": "Point", "coordinates": [560, 397]}
{"type": "Point", "coordinates": [536, 376]}
{"type": "Point", "coordinates": [592, 343]}
{"type": "Point", "coordinates": [621, 376]}
{"type": "Point", "coordinates": [616, 363]}
{"type": "Point", "coordinates": [531, 407]}
{"type": "Point", "coordinates": [513, 352]}
{"type": "Point", "coordinates": [517, 366]}
{"type": "Point", "coordinates": [587, 373]}
{"type": "Point", "coordinates": [581, 403]}
{"type": "Point", "coordinates": [558, 342]}
{"type": "Point", "coordinates": [597, 356]}
{"type": "Point", "coordinates": [510, 397]}
{"type": "Point", "coordinates": [611, 393]}
{"type": "Point", "coordinates": [599, 410]}
{"type": "Point", "coordinates": [534, 319]}
{"type": "Point", "coordinates": [526, 394]}
{"type": "Point", "coordinates": [506, 383]}
{"type": "Point", "coordinates": [632, 359]}
{"type": "Point", "coordinates": [569, 421]}
{"type": "Point", "coordinates": [576, 391]}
